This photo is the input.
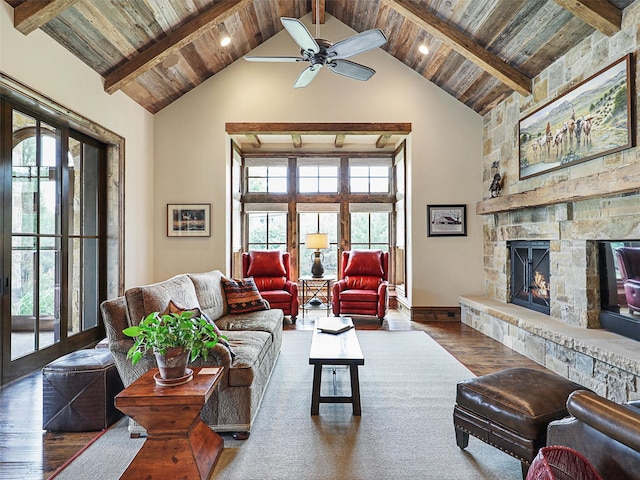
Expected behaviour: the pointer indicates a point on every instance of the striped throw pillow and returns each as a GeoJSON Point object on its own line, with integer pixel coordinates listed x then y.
{"type": "Point", "coordinates": [243, 296]}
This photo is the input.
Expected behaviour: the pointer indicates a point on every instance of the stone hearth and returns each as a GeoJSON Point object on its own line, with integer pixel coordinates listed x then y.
{"type": "Point", "coordinates": [605, 362]}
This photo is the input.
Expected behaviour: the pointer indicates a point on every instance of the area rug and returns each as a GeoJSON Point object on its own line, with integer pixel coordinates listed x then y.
{"type": "Point", "coordinates": [406, 429]}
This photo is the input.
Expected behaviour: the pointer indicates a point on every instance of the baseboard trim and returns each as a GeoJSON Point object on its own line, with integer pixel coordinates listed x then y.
{"type": "Point", "coordinates": [426, 314]}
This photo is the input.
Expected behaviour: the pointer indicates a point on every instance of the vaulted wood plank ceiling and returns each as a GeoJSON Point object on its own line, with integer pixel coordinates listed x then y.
{"type": "Point", "coordinates": [480, 51]}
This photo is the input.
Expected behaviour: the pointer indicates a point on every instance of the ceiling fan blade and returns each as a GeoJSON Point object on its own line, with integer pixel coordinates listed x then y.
{"type": "Point", "coordinates": [273, 59]}
{"type": "Point", "coordinates": [307, 75]}
{"type": "Point", "coordinates": [300, 34]}
{"type": "Point", "coordinates": [351, 69]}
{"type": "Point", "coordinates": [360, 43]}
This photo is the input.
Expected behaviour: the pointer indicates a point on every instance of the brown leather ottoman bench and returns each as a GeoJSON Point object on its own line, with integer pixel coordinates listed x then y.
{"type": "Point", "coordinates": [511, 410]}
{"type": "Point", "coordinates": [78, 391]}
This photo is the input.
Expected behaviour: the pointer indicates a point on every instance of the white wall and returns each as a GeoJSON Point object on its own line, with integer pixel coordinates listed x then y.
{"type": "Point", "coordinates": [45, 66]}
{"type": "Point", "coordinates": [445, 166]}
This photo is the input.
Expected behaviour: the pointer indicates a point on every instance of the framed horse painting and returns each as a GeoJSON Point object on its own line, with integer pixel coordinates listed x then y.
{"type": "Point", "coordinates": [592, 119]}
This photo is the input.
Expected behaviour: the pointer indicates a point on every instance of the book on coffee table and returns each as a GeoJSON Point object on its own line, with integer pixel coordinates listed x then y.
{"type": "Point", "coordinates": [334, 325]}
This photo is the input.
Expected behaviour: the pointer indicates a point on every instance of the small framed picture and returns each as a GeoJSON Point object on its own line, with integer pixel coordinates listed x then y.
{"type": "Point", "coordinates": [189, 220]}
{"type": "Point", "coordinates": [446, 220]}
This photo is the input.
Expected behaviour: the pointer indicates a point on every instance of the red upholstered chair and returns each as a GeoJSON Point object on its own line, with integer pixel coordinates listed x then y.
{"type": "Point", "coordinates": [271, 272]}
{"type": "Point", "coordinates": [362, 289]}
{"type": "Point", "coordinates": [629, 265]}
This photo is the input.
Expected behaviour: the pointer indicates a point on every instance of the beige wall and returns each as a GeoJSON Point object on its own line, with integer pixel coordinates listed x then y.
{"type": "Point", "coordinates": [43, 65]}
{"type": "Point", "coordinates": [445, 164]}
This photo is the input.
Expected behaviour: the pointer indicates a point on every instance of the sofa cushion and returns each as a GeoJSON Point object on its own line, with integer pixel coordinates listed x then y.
{"type": "Point", "coordinates": [210, 294]}
{"type": "Point", "coordinates": [266, 263]}
{"type": "Point", "coordinates": [141, 301]}
{"type": "Point", "coordinates": [196, 312]}
{"type": "Point", "coordinates": [266, 321]}
{"type": "Point", "coordinates": [250, 348]}
{"type": "Point", "coordinates": [243, 296]}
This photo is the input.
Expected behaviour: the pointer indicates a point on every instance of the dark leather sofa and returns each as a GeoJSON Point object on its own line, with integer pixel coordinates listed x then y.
{"type": "Point", "coordinates": [606, 433]}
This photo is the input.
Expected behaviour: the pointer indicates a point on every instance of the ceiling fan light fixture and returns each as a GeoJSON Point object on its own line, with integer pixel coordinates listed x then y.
{"type": "Point", "coordinates": [319, 52]}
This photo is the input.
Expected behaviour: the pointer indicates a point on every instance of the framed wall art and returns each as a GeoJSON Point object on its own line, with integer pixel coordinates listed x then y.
{"type": "Point", "coordinates": [592, 119]}
{"type": "Point", "coordinates": [446, 220]}
{"type": "Point", "coordinates": [189, 220]}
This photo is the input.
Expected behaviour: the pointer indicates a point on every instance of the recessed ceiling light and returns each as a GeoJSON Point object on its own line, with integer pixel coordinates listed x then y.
{"type": "Point", "coordinates": [170, 61]}
{"type": "Point", "coordinates": [225, 41]}
{"type": "Point", "coordinates": [423, 49]}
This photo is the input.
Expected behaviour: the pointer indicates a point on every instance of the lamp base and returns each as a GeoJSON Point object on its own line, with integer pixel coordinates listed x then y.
{"type": "Point", "coordinates": [317, 270]}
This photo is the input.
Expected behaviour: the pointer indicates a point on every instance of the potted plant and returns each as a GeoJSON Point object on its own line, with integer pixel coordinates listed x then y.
{"type": "Point", "coordinates": [175, 338]}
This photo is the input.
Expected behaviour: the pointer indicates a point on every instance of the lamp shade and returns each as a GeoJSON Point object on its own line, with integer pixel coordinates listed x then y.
{"type": "Point", "coordinates": [317, 241]}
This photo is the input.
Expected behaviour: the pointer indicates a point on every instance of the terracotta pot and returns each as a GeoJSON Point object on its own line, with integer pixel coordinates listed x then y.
{"type": "Point", "coordinates": [173, 364]}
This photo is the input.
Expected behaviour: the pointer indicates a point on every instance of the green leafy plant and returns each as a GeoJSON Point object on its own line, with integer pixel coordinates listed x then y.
{"type": "Point", "coordinates": [160, 332]}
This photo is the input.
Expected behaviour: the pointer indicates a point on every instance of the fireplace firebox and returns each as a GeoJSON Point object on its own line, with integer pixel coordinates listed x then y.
{"type": "Point", "coordinates": [530, 274]}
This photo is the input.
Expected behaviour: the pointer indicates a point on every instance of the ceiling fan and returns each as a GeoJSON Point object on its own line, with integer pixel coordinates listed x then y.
{"type": "Point", "coordinates": [320, 53]}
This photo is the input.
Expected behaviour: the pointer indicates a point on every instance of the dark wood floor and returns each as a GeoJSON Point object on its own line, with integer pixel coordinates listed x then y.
{"type": "Point", "coordinates": [27, 452]}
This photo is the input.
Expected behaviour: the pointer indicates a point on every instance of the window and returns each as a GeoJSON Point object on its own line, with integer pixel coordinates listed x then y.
{"type": "Point", "coordinates": [318, 176]}
{"type": "Point", "coordinates": [316, 221]}
{"type": "Point", "coordinates": [370, 228]}
{"type": "Point", "coordinates": [369, 176]}
{"type": "Point", "coordinates": [356, 212]}
{"type": "Point", "coordinates": [267, 179]}
{"type": "Point", "coordinates": [266, 226]}
{"type": "Point", "coordinates": [54, 261]}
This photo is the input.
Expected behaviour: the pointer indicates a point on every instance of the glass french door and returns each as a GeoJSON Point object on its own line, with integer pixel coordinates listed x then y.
{"type": "Point", "coordinates": [51, 252]}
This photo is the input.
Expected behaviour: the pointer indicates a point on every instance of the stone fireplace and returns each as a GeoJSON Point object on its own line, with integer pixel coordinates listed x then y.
{"type": "Point", "coordinates": [573, 207]}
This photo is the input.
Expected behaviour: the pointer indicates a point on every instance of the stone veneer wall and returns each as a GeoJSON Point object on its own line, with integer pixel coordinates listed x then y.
{"type": "Point", "coordinates": [573, 227]}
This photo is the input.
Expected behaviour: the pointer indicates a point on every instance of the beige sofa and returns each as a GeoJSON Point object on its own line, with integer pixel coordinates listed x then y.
{"type": "Point", "coordinates": [255, 339]}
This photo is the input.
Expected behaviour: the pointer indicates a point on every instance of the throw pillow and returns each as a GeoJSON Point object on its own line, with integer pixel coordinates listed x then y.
{"type": "Point", "coordinates": [173, 308]}
{"type": "Point", "coordinates": [243, 296]}
{"type": "Point", "coordinates": [364, 262]}
{"type": "Point", "coordinates": [266, 263]}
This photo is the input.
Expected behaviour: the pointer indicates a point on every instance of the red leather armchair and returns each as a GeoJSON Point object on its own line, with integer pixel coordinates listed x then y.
{"type": "Point", "coordinates": [629, 265]}
{"type": "Point", "coordinates": [362, 289]}
{"type": "Point", "coordinates": [271, 272]}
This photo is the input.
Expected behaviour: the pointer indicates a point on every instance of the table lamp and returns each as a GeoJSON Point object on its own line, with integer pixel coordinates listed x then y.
{"type": "Point", "coordinates": [317, 241]}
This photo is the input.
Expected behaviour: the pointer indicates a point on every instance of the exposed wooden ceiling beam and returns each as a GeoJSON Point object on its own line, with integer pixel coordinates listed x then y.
{"type": "Point", "coordinates": [339, 141]}
{"type": "Point", "coordinates": [181, 37]}
{"type": "Point", "coordinates": [464, 45]}
{"type": "Point", "coordinates": [33, 14]}
{"type": "Point", "coordinates": [254, 140]}
{"type": "Point", "coordinates": [297, 140]}
{"type": "Point", "coordinates": [244, 128]}
{"type": "Point", "coordinates": [383, 140]}
{"type": "Point", "coordinates": [601, 15]}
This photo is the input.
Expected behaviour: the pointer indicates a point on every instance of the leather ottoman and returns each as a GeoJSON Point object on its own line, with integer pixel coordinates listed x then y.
{"type": "Point", "coordinates": [511, 410]}
{"type": "Point", "coordinates": [78, 391]}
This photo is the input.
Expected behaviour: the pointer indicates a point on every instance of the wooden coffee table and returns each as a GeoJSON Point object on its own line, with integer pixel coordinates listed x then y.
{"type": "Point", "coordinates": [179, 444]}
{"type": "Point", "coordinates": [340, 349]}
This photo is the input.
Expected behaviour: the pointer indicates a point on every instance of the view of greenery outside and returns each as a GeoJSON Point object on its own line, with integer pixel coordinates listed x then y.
{"type": "Point", "coordinates": [370, 231]}
{"type": "Point", "coordinates": [267, 231]}
{"type": "Point", "coordinates": [318, 222]}
{"type": "Point", "coordinates": [32, 182]}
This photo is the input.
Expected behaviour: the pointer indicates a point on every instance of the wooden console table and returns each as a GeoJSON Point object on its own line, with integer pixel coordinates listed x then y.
{"type": "Point", "coordinates": [179, 444]}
